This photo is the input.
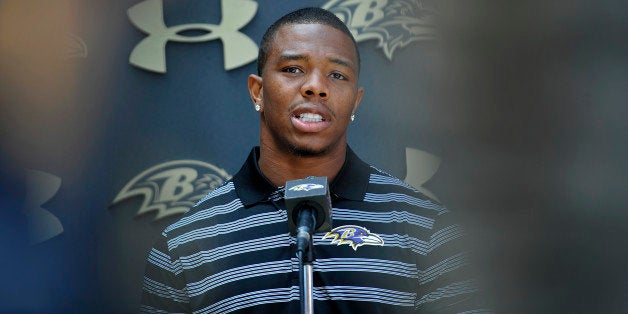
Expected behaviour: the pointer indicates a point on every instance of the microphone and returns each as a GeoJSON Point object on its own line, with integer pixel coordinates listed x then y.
{"type": "Point", "coordinates": [308, 206]}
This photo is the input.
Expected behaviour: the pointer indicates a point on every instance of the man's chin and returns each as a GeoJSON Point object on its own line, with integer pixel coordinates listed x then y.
{"type": "Point", "coordinates": [302, 151]}
{"type": "Point", "coordinates": [311, 148]}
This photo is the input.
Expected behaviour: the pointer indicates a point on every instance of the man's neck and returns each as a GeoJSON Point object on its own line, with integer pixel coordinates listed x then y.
{"type": "Point", "coordinates": [279, 167]}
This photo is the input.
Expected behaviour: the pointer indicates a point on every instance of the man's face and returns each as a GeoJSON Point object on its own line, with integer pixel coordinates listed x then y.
{"type": "Point", "coordinates": [308, 89]}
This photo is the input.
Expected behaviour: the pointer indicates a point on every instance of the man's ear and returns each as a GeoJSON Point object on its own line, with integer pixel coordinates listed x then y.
{"type": "Point", "coordinates": [358, 99]}
{"type": "Point", "coordinates": [255, 91]}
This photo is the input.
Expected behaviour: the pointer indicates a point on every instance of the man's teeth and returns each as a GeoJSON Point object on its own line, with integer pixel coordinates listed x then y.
{"type": "Point", "coordinates": [311, 117]}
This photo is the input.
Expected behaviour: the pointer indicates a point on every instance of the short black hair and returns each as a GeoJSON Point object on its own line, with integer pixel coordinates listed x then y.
{"type": "Point", "coordinates": [309, 15]}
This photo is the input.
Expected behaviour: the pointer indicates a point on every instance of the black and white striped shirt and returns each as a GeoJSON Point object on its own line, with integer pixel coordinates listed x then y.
{"type": "Point", "coordinates": [233, 253]}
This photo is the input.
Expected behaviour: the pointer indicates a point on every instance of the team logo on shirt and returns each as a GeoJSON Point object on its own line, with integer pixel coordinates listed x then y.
{"type": "Point", "coordinates": [354, 236]}
{"type": "Point", "coordinates": [306, 187]}
{"type": "Point", "coordinates": [394, 23]}
{"type": "Point", "coordinates": [173, 187]}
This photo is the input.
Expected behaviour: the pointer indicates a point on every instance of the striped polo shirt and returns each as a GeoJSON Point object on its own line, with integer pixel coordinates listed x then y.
{"type": "Point", "coordinates": [232, 252]}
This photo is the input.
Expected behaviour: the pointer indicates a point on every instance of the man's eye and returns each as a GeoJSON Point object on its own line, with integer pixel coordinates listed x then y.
{"type": "Point", "coordinates": [291, 70]}
{"type": "Point", "coordinates": [338, 76]}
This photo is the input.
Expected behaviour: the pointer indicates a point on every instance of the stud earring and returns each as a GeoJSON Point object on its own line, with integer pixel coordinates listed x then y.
{"type": "Point", "coordinates": [352, 117]}
{"type": "Point", "coordinates": [258, 107]}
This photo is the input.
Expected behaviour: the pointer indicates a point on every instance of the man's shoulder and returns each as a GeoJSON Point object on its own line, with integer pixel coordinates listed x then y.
{"type": "Point", "coordinates": [381, 181]}
{"type": "Point", "coordinates": [222, 195]}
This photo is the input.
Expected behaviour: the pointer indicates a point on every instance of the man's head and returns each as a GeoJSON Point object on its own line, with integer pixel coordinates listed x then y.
{"type": "Point", "coordinates": [308, 87]}
{"type": "Point", "coordinates": [311, 15]}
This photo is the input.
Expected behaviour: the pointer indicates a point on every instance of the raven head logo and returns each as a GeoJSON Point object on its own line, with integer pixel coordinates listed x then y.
{"type": "Point", "coordinates": [354, 236]}
{"type": "Point", "coordinates": [306, 187]}
{"type": "Point", "coordinates": [394, 23]}
{"type": "Point", "coordinates": [173, 187]}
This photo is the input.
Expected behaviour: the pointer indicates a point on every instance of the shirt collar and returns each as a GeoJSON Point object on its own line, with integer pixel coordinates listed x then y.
{"type": "Point", "coordinates": [253, 187]}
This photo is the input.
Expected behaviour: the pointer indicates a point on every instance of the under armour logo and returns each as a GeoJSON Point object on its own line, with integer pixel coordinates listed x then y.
{"type": "Point", "coordinates": [421, 167]}
{"type": "Point", "coordinates": [40, 188]}
{"type": "Point", "coordinates": [150, 53]}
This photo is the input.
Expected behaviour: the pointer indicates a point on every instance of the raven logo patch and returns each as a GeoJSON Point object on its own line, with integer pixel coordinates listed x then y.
{"type": "Point", "coordinates": [306, 187]}
{"type": "Point", "coordinates": [354, 236]}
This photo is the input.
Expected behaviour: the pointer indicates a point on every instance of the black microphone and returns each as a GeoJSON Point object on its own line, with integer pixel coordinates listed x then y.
{"type": "Point", "coordinates": [308, 206]}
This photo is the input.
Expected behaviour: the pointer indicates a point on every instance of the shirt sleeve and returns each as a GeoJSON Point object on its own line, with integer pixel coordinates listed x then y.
{"type": "Point", "coordinates": [163, 289]}
{"type": "Point", "coordinates": [446, 281]}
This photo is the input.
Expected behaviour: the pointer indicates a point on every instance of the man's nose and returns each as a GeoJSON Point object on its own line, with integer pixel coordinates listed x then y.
{"type": "Point", "coordinates": [315, 85]}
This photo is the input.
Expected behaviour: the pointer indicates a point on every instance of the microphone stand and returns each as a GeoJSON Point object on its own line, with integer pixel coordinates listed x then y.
{"type": "Point", "coordinates": [305, 256]}
{"type": "Point", "coordinates": [308, 207]}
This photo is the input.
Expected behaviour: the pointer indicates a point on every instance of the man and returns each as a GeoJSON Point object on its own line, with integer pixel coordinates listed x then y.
{"type": "Point", "coordinates": [232, 252]}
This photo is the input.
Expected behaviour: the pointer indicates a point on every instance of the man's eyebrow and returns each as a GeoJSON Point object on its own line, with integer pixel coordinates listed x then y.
{"type": "Point", "coordinates": [342, 62]}
{"type": "Point", "coordinates": [292, 57]}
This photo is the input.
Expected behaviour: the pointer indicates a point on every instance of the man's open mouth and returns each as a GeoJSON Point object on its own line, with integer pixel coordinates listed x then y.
{"type": "Point", "coordinates": [310, 117]}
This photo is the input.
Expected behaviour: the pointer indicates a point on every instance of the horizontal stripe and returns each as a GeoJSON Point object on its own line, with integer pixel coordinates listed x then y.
{"type": "Point", "coordinates": [239, 273]}
{"type": "Point", "coordinates": [278, 195]}
{"type": "Point", "coordinates": [206, 214]}
{"type": "Point", "coordinates": [209, 256]}
{"type": "Point", "coordinates": [161, 260]}
{"type": "Point", "coordinates": [224, 189]}
{"type": "Point", "coordinates": [159, 289]}
{"type": "Point", "coordinates": [478, 311]}
{"type": "Point", "coordinates": [388, 267]}
{"type": "Point", "coordinates": [443, 267]}
{"type": "Point", "coordinates": [145, 309]}
{"type": "Point", "coordinates": [452, 290]}
{"type": "Point", "coordinates": [365, 294]}
{"type": "Point", "coordinates": [324, 265]}
{"type": "Point", "coordinates": [445, 235]}
{"type": "Point", "coordinates": [226, 228]}
{"type": "Point", "coordinates": [237, 302]}
{"type": "Point", "coordinates": [383, 217]}
{"type": "Point", "coordinates": [402, 198]}
{"type": "Point", "coordinates": [285, 240]}
{"type": "Point", "coordinates": [325, 293]}
{"type": "Point", "coordinates": [388, 180]}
